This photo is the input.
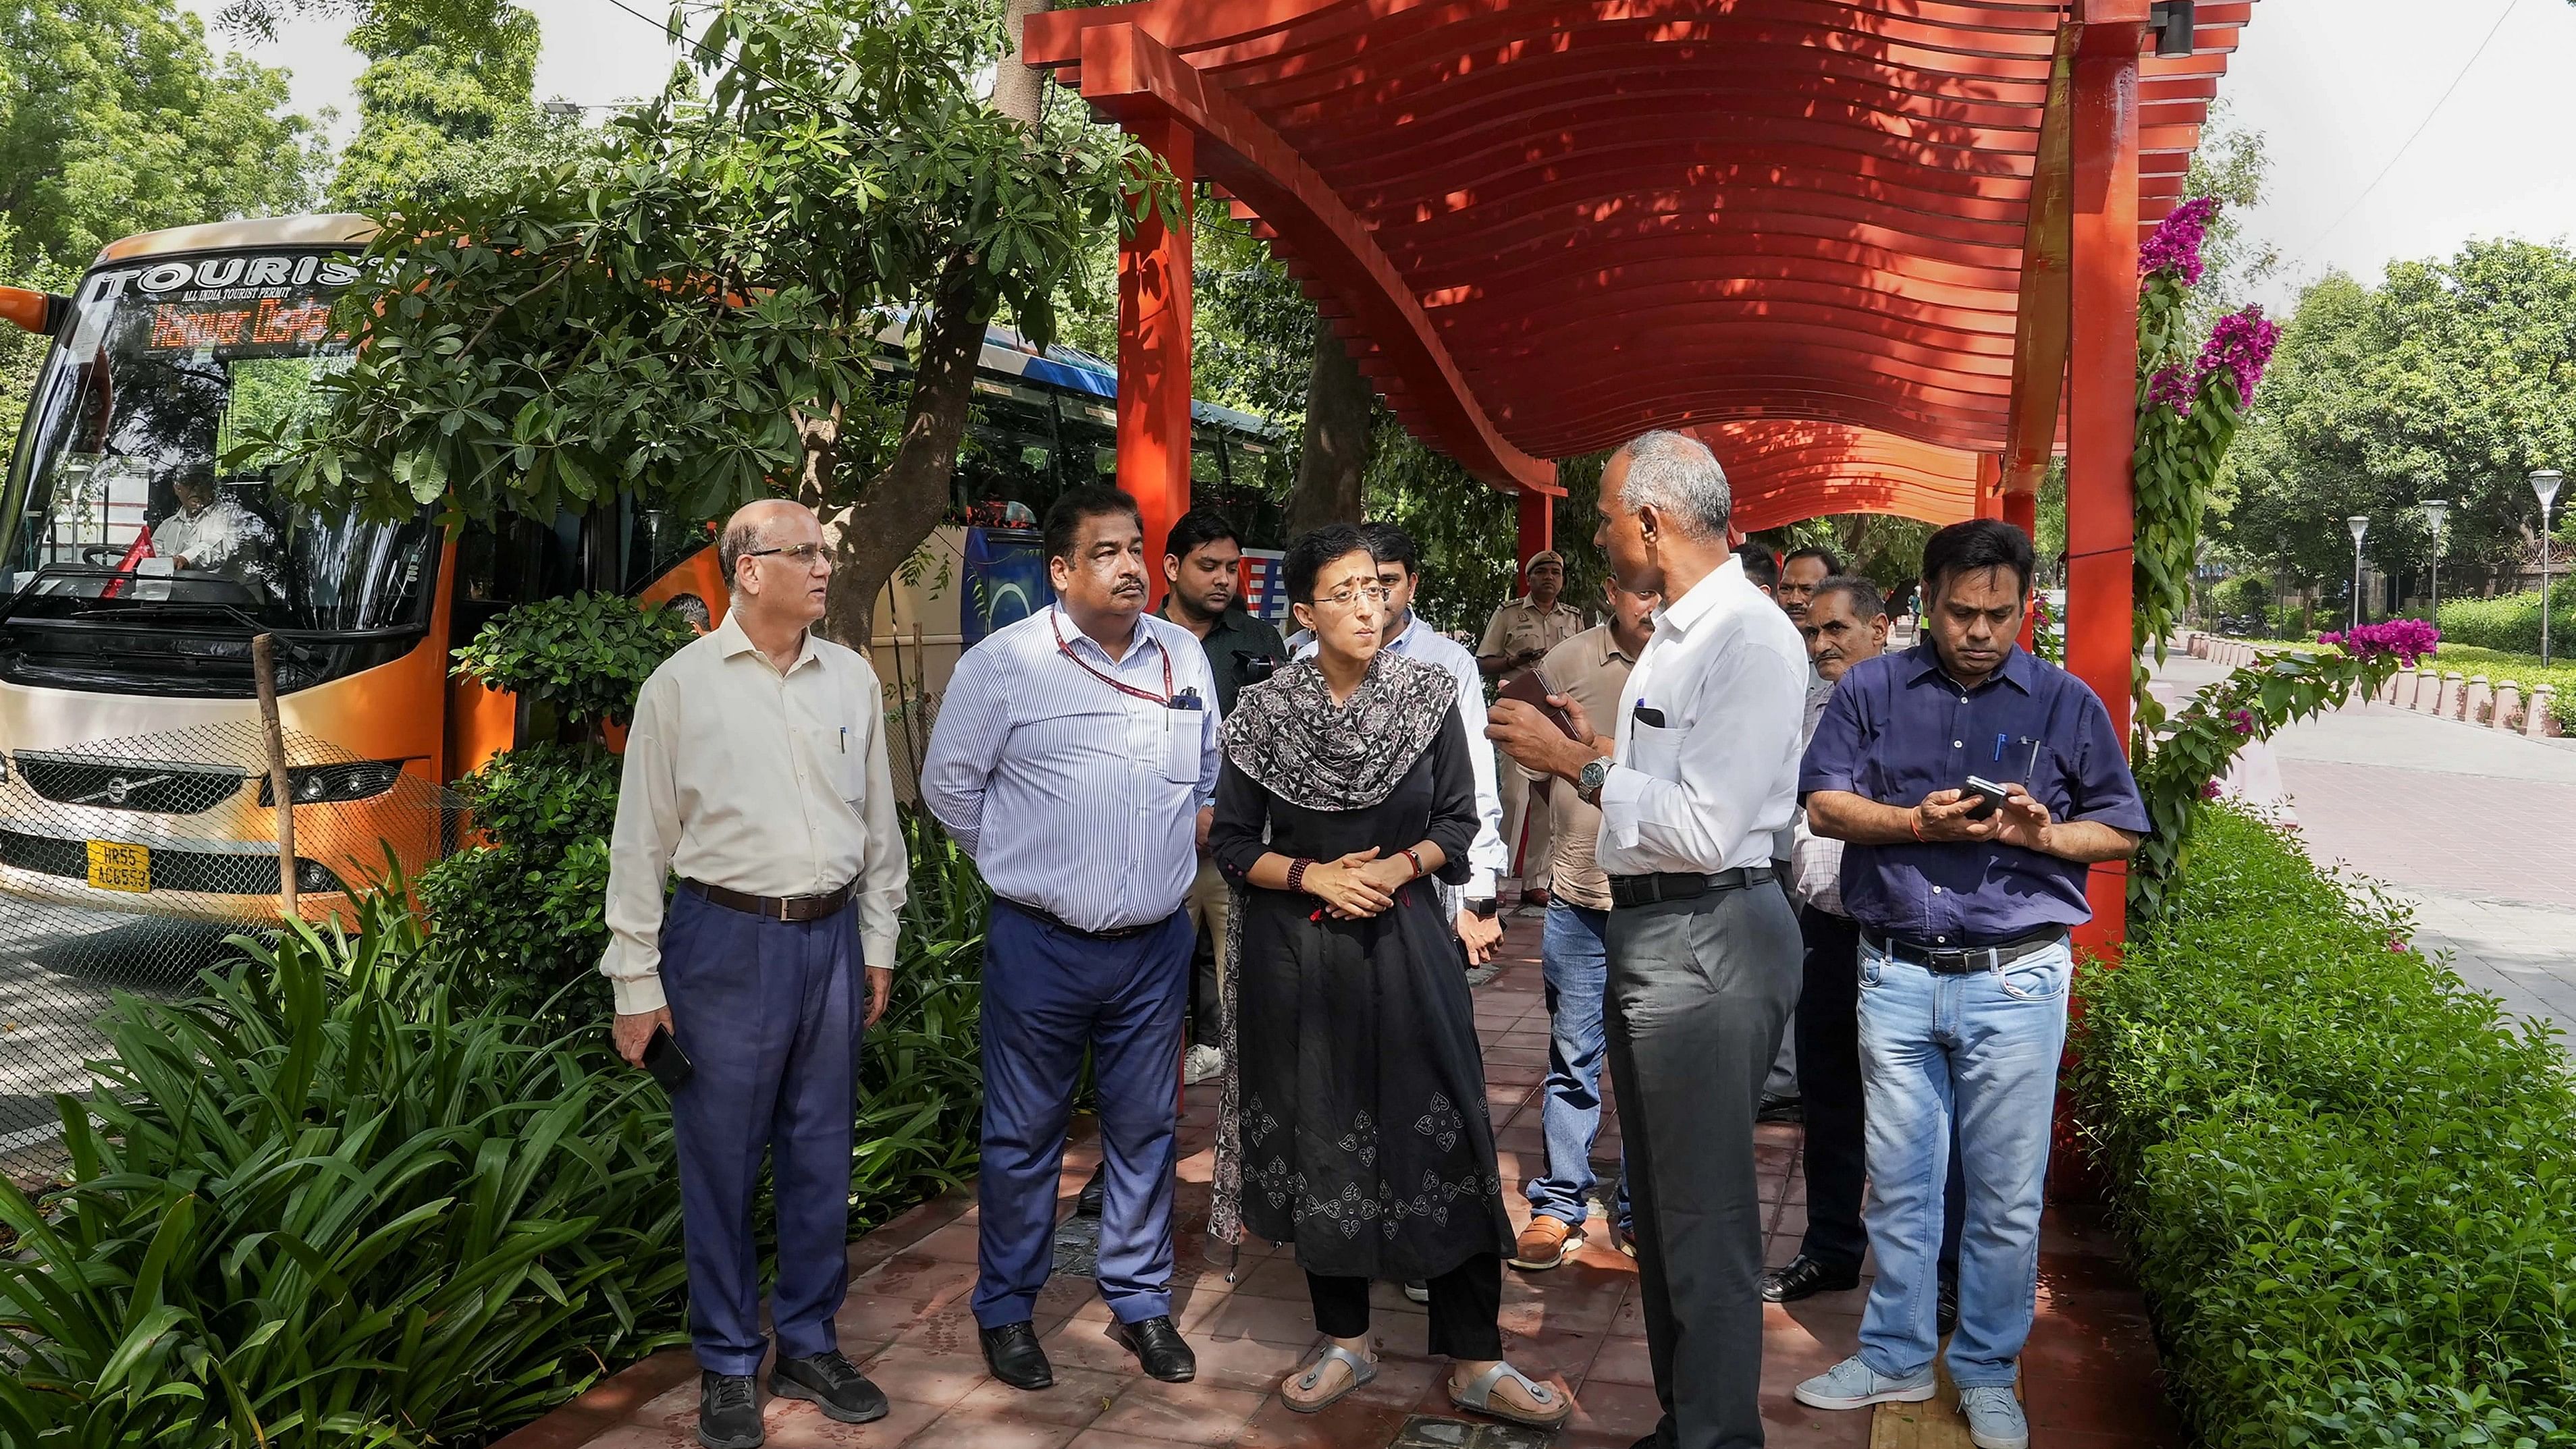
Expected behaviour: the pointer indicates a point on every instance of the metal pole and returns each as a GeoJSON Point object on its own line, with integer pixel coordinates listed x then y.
{"type": "Point", "coordinates": [2544, 586]}
{"type": "Point", "coordinates": [263, 668]}
{"type": "Point", "coordinates": [2356, 583]}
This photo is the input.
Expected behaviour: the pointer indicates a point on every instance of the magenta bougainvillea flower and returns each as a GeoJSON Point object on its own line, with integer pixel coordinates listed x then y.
{"type": "Point", "coordinates": [2242, 345]}
{"type": "Point", "coordinates": [2408, 639]}
{"type": "Point", "coordinates": [2241, 721]}
{"type": "Point", "coordinates": [2175, 246]}
{"type": "Point", "coordinates": [2210, 791]}
{"type": "Point", "coordinates": [2174, 387]}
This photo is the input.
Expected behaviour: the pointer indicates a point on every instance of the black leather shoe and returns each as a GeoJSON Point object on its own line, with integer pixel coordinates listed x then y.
{"type": "Point", "coordinates": [1158, 1346]}
{"type": "Point", "coordinates": [1948, 1311]}
{"type": "Point", "coordinates": [832, 1382]}
{"type": "Point", "coordinates": [1805, 1278]}
{"type": "Point", "coordinates": [729, 1412]}
{"type": "Point", "coordinates": [1088, 1205]}
{"type": "Point", "coordinates": [1012, 1353]}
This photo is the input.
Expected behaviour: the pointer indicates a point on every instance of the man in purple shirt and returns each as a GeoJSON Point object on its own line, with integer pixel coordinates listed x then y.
{"type": "Point", "coordinates": [1964, 906]}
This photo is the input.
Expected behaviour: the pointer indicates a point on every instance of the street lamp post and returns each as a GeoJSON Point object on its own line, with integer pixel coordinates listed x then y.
{"type": "Point", "coordinates": [2545, 483]}
{"type": "Point", "coordinates": [2436, 512]}
{"type": "Point", "coordinates": [2360, 524]}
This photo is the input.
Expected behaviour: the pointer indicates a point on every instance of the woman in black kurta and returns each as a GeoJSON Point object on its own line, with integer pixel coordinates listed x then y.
{"type": "Point", "coordinates": [1356, 1126]}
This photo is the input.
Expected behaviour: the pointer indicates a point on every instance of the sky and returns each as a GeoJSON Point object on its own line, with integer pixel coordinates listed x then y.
{"type": "Point", "coordinates": [2336, 87]}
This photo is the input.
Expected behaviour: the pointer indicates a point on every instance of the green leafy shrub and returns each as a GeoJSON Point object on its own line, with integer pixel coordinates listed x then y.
{"type": "Point", "coordinates": [544, 797]}
{"type": "Point", "coordinates": [2510, 622]}
{"type": "Point", "coordinates": [2525, 670]}
{"type": "Point", "coordinates": [524, 925]}
{"type": "Point", "coordinates": [581, 657]}
{"type": "Point", "coordinates": [2350, 1181]}
{"type": "Point", "coordinates": [324, 1204]}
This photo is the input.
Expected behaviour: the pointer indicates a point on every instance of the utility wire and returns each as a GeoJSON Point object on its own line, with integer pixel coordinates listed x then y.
{"type": "Point", "coordinates": [2480, 54]}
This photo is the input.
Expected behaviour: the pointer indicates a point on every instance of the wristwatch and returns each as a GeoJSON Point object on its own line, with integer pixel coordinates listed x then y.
{"type": "Point", "coordinates": [1593, 776]}
{"type": "Point", "coordinates": [1484, 907]}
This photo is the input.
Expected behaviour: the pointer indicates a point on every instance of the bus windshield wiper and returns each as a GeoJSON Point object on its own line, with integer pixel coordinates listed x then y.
{"type": "Point", "coordinates": [234, 612]}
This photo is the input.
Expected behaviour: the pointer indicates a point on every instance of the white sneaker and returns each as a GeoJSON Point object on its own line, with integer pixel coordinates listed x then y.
{"type": "Point", "coordinates": [1202, 1062]}
{"type": "Point", "coordinates": [1852, 1385]}
{"type": "Point", "coordinates": [1994, 1418]}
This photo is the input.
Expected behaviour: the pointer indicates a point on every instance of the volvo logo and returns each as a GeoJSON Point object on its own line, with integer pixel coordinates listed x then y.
{"type": "Point", "coordinates": [118, 788]}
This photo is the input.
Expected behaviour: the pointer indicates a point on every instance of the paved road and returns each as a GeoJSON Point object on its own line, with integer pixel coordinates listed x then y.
{"type": "Point", "coordinates": [58, 969]}
{"type": "Point", "coordinates": [2477, 829]}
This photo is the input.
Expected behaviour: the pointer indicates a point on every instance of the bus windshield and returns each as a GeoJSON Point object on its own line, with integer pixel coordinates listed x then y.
{"type": "Point", "coordinates": [124, 508]}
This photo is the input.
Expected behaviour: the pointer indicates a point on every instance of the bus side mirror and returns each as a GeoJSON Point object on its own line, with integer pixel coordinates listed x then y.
{"type": "Point", "coordinates": [42, 313]}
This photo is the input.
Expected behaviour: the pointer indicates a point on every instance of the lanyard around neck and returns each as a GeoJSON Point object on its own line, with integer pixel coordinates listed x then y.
{"type": "Point", "coordinates": [1065, 647]}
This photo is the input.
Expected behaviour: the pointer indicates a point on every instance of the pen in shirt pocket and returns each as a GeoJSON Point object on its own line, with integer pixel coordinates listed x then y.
{"type": "Point", "coordinates": [845, 739]}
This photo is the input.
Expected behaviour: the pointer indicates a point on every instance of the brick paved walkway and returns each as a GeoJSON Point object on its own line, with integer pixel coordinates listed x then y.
{"type": "Point", "coordinates": [2090, 1375]}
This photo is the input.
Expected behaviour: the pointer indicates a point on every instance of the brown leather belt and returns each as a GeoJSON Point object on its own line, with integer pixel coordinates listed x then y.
{"type": "Point", "coordinates": [773, 908]}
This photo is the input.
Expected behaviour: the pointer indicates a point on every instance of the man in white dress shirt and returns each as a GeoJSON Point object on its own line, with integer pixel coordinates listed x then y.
{"type": "Point", "coordinates": [1399, 568]}
{"type": "Point", "coordinates": [1075, 758]}
{"type": "Point", "coordinates": [1699, 781]}
{"type": "Point", "coordinates": [756, 769]}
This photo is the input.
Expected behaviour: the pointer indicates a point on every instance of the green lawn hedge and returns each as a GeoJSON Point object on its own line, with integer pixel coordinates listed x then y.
{"type": "Point", "coordinates": [2351, 1182]}
{"type": "Point", "coordinates": [2510, 622]}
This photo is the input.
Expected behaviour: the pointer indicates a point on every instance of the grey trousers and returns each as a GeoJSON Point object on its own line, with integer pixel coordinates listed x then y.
{"type": "Point", "coordinates": [1699, 994]}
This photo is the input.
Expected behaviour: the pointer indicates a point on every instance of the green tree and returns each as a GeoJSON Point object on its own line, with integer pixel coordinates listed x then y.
{"type": "Point", "coordinates": [692, 313]}
{"type": "Point", "coordinates": [439, 80]}
{"type": "Point", "coordinates": [115, 119]}
{"type": "Point", "coordinates": [2451, 379]}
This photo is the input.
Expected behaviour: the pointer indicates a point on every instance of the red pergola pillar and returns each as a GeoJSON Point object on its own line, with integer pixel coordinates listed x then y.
{"type": "Point", "coordinates": [2102, 382]}
{"type": "Point", "coordinates": [1538, 527]}
{"type": "Point", "coordinates": [1154, 353]}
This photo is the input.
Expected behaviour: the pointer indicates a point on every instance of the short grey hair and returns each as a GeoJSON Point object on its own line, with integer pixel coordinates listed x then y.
{"type": "Point", "coordinates": [741, 535]}
{"type": "Point", "coordinates": [1679, 477]}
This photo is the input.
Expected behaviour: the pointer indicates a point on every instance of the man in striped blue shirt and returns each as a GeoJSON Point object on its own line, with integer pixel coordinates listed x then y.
{"type": "Point", "coordinates": [1075, 757]}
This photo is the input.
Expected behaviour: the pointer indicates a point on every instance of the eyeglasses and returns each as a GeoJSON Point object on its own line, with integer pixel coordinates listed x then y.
{"type": "Point", "coordinates": [1349, 594]}
{"type": "Point", "coordinates": [804, 555]}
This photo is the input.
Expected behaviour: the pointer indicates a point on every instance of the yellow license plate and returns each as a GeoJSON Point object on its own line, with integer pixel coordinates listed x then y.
{"type": "Point", "coordinates": [115, 867]}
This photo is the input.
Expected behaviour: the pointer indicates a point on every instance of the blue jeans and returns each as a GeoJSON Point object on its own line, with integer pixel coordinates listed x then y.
{"type": "Point", "coordinates": [1984, 1046]}
{"type": "Point", "coordinates": [1577, 969]}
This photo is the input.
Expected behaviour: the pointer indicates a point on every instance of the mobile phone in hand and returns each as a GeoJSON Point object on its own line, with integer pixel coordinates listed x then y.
{"type": "Point", "coordinates": [663, 1058]}
{"type": "Point", "coordinates": [1989, 796]}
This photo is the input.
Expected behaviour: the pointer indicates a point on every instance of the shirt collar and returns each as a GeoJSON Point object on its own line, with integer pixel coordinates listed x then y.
{"type": "Point", "coordinates": [732, 642]}
{"type": "Point", "coordinates": [1704, 599]}
{"type": "Point", "coordinates": [1074, 638]}
{"type": "Point", "coordinates": [1610, 646]}
{"type": "Point", "coordinates": [2017, 670]}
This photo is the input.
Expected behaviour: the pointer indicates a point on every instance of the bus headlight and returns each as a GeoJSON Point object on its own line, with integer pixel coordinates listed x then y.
{"type": "Point", "coordinates": [327, 784]}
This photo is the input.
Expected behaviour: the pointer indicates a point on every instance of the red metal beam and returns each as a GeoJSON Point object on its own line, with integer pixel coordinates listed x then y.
{"type": "Point", "coordinates": [2102, 383]}
{"type": "Point", "coordinates": [1154, 273]}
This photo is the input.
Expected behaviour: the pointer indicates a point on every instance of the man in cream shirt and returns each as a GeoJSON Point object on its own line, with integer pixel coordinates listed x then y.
{"type": "Point", "coordinates": [756, 770]}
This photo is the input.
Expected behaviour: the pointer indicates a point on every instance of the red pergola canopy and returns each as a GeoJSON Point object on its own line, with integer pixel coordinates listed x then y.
{"type": "Point", "coordinates": [1546, 225]}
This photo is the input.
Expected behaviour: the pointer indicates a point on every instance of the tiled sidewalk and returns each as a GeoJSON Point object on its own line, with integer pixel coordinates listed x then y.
{"type": "Point", "coordinates": [2089, 1377]}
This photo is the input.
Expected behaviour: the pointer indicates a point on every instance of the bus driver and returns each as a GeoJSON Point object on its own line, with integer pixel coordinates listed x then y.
{"type": "Point", "coordinates": [211, 533]}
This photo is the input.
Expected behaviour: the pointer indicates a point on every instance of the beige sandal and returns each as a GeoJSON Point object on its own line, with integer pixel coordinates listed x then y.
{"type": "Point", "coordinates": [1479, 1396]}
{"type": "Point", "coordinates": [1363, 1371]}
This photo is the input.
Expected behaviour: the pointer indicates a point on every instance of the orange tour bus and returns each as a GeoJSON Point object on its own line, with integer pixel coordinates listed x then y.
{"type": "Point", "coordinates": [135, 568]}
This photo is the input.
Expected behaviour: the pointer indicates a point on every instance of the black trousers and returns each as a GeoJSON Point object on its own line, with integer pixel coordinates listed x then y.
{"type": "Point", "coordinates": [1837, 1159]}
{"type": "Point", "coordinates": [1465, 1302]}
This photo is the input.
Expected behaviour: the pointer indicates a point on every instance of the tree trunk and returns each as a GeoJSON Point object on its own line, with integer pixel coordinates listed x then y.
{"type": "Point", "coordinates": [1333, 462]}
{"type": "Point", "coordinates": [1015, 86]}
{"type": "Point", "coordinates": [899, 507]}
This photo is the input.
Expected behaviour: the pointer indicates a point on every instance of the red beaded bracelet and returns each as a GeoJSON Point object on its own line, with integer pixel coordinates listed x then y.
{"type": "Point", "coordinates": [1297, 873]}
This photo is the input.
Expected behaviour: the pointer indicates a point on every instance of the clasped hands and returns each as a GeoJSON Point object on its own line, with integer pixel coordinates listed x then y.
{"type": "Point", "coordinates": [1359, 885]}
{"type": "Point", "coordinates": [1943, 817]}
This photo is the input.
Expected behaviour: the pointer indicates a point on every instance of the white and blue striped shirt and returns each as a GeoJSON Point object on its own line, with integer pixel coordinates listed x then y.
{"type": "Point", "coordinates": [1419, 640]}
{"type": "Point", "coordinates": [1053, 779]}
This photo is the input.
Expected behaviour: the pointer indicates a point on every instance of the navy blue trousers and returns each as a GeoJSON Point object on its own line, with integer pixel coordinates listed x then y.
{"type": "Point", "coordinates": [769, 1012]}
{"type": "Point", "coordinates": [1049, 993]}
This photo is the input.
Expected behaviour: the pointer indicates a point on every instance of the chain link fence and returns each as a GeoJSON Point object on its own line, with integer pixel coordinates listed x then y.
{"type": "Point", "coordinates": [126, 863]}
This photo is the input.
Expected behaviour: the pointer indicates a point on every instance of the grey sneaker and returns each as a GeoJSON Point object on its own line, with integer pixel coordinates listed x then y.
{"type": "Point", "coordinates": [1202, 1062]}
{"type": "Point", "coordinates": [1851, 1385]}
{"type": "Point", "coordinates": [1994, 1418]}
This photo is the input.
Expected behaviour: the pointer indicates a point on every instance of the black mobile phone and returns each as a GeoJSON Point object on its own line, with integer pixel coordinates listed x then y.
{"type": "Point", "coordinates": [663, 1058]}
{"type": "Point", "coordinates": [1990, 798]}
